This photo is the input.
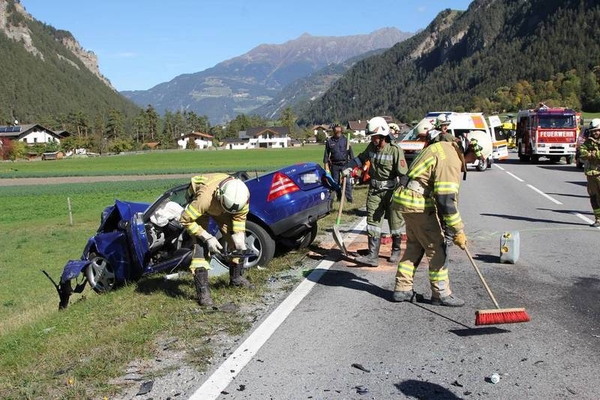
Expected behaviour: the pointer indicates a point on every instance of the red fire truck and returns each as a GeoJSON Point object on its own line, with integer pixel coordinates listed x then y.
{"type": "Point", "coordinates": [547, 132]}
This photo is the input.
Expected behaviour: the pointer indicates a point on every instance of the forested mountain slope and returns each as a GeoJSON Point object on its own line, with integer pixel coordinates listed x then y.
{"type": "Point", "coordinates": [498, 55]}
{"type": "Point", "coordinates": [46, 75]}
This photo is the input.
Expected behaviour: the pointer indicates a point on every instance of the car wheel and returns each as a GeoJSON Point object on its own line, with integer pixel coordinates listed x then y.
{"type": "Point", "coordinates": [261, 243]}
{"type": "Point", "coordinates": [308, 237]}
{"type": "Point", "coordinates": [481, 166]}
{"type": "Point", "coordinates": [100, 274]}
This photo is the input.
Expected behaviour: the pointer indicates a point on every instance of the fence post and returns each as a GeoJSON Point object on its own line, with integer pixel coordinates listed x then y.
{"type": "Point", "coordinates": [70, 211]}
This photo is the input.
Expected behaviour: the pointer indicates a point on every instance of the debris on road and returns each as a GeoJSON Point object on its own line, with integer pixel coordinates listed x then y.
{"type": "Point", "coordinates": [360, 366]}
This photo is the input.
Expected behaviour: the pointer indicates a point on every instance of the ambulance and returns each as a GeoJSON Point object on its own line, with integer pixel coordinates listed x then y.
{"type": "Point", "coordinates": [463, 126]}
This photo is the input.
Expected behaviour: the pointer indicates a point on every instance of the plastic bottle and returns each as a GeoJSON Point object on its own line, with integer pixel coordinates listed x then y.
{"type": "Point", "coordinates": [495, 378]}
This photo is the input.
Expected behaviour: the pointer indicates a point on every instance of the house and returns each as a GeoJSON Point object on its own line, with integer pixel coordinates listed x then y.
{"type": "Point", "coordinates": [235, 143]}
{"type": "Point", "coordinates": [358, 128]}
{"type": "Point", "coordinates": [202, 140]}
{"type": "Point", "coordinates": [29, 134]}
{"type": "Point", "coordinates": [320, 128]}
{"type": "Point", "coordinates": [267, 137]}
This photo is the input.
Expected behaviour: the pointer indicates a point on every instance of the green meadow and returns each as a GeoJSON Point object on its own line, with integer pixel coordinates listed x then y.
{"type": "Point", "coordinates": [165, 162]}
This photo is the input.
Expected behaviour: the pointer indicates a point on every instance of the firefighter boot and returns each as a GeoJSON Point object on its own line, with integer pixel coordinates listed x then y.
{"type": "Point", "coordinates": [404, 295]}
{"type": "Point", "coordinates": [236, 278]}
{"type": "Point", "coordinates": [395, 256]}
{"type": "Point", "coordinates": [371, 259]}
{"type": "Point", "coordinates": [202, 289]}
{"type": "Point", "coordinates": [596, 223]}
{"type": "Point", "coordinates": [448, 301]}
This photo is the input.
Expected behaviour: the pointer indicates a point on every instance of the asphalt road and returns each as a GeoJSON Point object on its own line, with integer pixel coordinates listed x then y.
{"type": "Point", "coordinates": [346, 319]}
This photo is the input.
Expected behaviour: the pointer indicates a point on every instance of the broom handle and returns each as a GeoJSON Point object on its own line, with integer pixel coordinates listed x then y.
{"type": "Point", "coordinates": [481, 278]}
{"type": "Point", "coordinates": [339, 216]}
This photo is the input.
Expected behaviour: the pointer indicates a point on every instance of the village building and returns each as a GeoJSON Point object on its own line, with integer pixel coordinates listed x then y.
{"type": "Point", "coordinates": [29, 134]}
{"type": "Point", "coordinates": [201, 140]}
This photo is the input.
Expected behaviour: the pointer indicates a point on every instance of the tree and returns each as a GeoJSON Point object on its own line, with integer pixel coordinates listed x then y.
{"type": "Point", "coordinates": [288, 119]}
{"type": "Point", "coordinates": [115, 124]}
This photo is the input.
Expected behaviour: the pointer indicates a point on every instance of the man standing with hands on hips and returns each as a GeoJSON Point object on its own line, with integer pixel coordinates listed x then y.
{"type": "Point", "coordinates": [337, 154]}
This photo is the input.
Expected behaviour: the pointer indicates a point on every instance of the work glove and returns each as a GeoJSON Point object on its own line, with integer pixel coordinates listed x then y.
{"type": "Point", "coordinates": [213, 244]}
{"type": "Point", "coordinates": [239, 240]}
{"type": "Point", "coordinates": [460, 239]}
{"type": "Point", "coordinates": [347, 172]}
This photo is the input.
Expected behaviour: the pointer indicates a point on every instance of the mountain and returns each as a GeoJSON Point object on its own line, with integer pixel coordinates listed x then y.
{"type": "Point", "coordinates": [497, 55]}
{"type": "Point", "coordinates": [243, 83]}
{"type": "Point", "coordinates": [46, 74]}
{"type": "Point", "coordinates": [298, 93]}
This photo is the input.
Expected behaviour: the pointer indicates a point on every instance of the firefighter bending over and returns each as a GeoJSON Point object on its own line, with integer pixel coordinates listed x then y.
{"type": "Point", "coordinates": [388, 165]}
{"type": "Point", "coordinates": [432, 190]}
{"type": "Point", "coordinates": [225, 199]}
{"type": "Point", "coordinates": [476, 148]}
{"type": "Point", "coordinates": [590, 153]}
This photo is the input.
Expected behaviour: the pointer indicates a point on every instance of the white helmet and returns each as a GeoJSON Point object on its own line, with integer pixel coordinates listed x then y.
{"type": "Point", "coordinates": [594, 124]}
{"type": "Point", "coordinates": [233, 195]}
{"type": "Point", "coordinates": [433, 135]}
{"type": "Point", "coordinates": [441, 120]}
{"type": "Point", "coordinates": [378, 126]}
{"type": "Point", "coordinates": [423, 127]}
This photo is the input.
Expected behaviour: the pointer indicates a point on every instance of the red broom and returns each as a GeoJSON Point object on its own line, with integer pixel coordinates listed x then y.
{"type": "Point", "coordinates": [500, 315]}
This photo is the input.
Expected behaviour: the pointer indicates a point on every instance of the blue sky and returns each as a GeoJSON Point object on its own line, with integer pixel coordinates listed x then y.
{"type": "Point", "coordinates": [141, 43]}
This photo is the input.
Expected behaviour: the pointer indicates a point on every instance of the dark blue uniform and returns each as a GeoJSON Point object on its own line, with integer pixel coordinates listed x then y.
{"type": "Point", "coordinates": [336, 157]}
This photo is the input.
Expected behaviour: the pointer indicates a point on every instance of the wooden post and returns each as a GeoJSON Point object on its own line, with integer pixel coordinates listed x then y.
{"type": "Point", "coordinates": [70, 211]}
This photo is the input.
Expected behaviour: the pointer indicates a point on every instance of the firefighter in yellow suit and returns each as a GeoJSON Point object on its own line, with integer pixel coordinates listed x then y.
{"type": "Point", "coordinates": [225, 199]}
{"type": "Point", "coordinates": [432, 190]}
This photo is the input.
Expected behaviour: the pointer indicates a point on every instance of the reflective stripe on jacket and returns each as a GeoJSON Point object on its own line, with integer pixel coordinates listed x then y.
{"type": "Point", "coordinates": [204, 204]}
{"type": "Point", "coordinates": [386, 164]}
{"type": "Point", "coordinates": [592, 163]}
{"type": "Point", "coordinates": [437, 168]}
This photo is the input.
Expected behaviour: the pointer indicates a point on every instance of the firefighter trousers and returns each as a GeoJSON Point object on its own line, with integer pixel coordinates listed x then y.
{"type": "Point", "coordinates": [379, 206]}
{"type": "Point", "coordinates": [593, 189]}
{"type": "Point", "coordinates": [424, 237]}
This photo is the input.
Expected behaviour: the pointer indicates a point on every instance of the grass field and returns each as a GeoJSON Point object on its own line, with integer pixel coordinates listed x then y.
{"type": "Point", "coordinates": [74, 354]}
{"type": "Point", "coordinates": [165, 162]}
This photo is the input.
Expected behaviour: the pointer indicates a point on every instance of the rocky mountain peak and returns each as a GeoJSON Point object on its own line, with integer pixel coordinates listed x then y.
{"type": "Point", "coordinates": [13, 23]}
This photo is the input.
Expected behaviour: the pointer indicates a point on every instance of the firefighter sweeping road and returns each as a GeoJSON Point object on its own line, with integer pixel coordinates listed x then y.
{"type": "Point", "coordinates": [346, 339]}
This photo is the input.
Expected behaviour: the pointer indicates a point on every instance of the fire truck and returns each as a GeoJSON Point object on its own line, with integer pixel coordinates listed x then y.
{"type": "Point", "coordinates": [549, 132]}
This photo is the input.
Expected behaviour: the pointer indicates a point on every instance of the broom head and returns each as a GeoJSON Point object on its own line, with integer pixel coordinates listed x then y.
{"type": "Point", "coordinates": [501, 316]}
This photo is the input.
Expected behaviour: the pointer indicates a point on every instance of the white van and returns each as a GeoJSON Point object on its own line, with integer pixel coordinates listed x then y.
{"type": "Point", "coordinates": [463, 126]}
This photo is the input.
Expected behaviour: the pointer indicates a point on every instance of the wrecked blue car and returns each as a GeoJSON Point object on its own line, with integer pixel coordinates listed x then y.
{"type": "Point", "coordinates": [136, 239]}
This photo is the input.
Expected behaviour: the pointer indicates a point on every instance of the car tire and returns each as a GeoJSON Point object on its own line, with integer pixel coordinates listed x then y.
{"type": "Point", "coordinates": [481, 166]}
{"type": "Point", "coordinates": [100, 274]}
{"type": "Point", "coordinates": [308, 237]}
{"type": "Point", "coordinates": [261, 243]}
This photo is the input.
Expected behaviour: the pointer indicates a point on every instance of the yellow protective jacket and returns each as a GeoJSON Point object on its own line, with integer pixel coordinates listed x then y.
{"type": "Point", "coordinates": [434, 183]}
{"type": "Point", "coordinates": [204, 203]}
{"type": "Point", "coordinates": [592, 162]}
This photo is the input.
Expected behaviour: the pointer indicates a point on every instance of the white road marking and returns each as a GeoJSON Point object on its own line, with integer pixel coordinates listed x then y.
{"type": "Point", "coordinates": [224, 375]}
{"type": "Point", "coordinates": [584, 218]}
{"type": "Point", "coordinates": [514, 176]}
{"type": "Point", "coordinates": [544, 194]}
